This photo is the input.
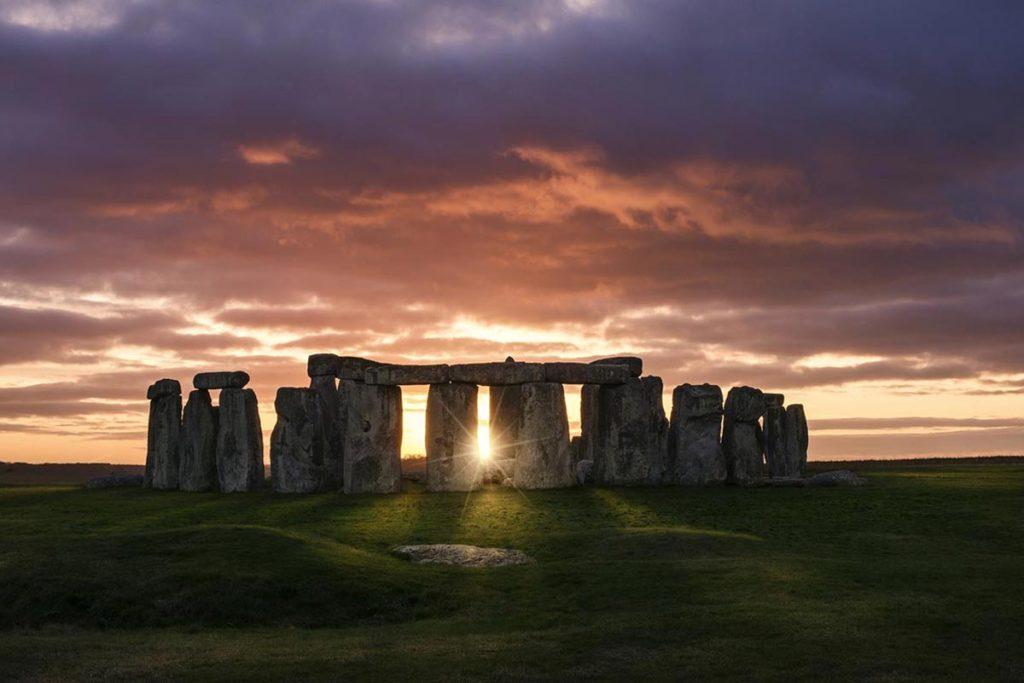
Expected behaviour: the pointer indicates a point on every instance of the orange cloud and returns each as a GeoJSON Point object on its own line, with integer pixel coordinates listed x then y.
{"type": "Point", "coordinates": [272, 153]}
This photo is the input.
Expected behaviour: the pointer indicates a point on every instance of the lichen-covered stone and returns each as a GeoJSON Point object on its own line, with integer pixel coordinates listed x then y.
{"type": "Point", "coordinates": [327, 393]}
{"type": "Point", "coordinates": [631, 432]}
{"type": "Point", "coordinates": [797, 438]}
{"type": "Point", "coordinates": [585, 373]}
{"type": "Point", "coordinates": [164, 436]}
{"type": "Point", "coordinates": [542, 453]}
{"type": "Point", "coordinates": [239, 442]}
{"type": "Point", "coordinates": [742, 438]}
{"type": "Point", "coordinates": [453, 458]}
{"type": "Point", "coordinates": [373, 437]}
{"type": "Point", "coordinates": [694, 441]}
{"type": "Point", "coordinates": [221, 380]}
{"type": "Point", "coordinates": [635, 364]}
{"type": "Point", "coordinates": [197, 467]}
{"type": "Point", "coordinates": [297, 443]}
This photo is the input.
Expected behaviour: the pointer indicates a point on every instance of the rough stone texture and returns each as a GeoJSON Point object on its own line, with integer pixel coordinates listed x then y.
{"type": "Point", "coordinates": [353, 367]}
{"type": "Point", "coordinates": [239, 442]}
{"type": "Point", "coordinates": [373, 438]}
{"type": "Point", "coordinates": [320, 364]}
{"type": "Point", "coordinates": [694, 442]}
{"type": "Point", "coordinates": [498, 471]}
{"type": "Point", "coordinates": [497, 374]}
{"type": "Point", "coordinates": [775, 436]}
{"type": "Point", "coordinates": [327, 394]}
{"type": "Point", "coordinates": [163, 387]}
{"type": "Point", "coordinates": [453, 457]}
{"type": "Point", "coordinates": [576, 449]}
{"type": "Point", "coordinates": [583, 470]}
{"type": "Point", "coordinates": [630, 437]}
{"type": "Point", "coordinates": [297, 443]}
{"type": "Point", "coordinates": [542, 453]}
{"type": "Point", "coordinates": [406, 374]}
{"type": "Point", "coordinates": [588, 420]}
{"type": "Point", "coordinates": [461, 555]}
{"type": "Point", "coordinates": [197, 466]}
{"type": "Point", "coordinates": [635, 364]}
{"type": "Point", "coordinates": [114, 481]}
{"type": "Point", "coordinates": [163, 440]}
{"type": "Point", "coordinates": [796, 441]}
{"type": "Point", "coordinates": [742, 438]}
{"type": "Point", "coordinates": [506, 405]}
{"type": "Point", "coordinates": [585, 373]}
{"type": "Point", "coordinates": [836, 478]}
{"type": "Point", "coordinates": [777, 400]}
{"type": "Point", "coordinates": [221, 380]}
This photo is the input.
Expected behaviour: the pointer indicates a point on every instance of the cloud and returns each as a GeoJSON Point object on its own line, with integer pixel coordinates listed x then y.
{"type": "Point", "coordinates": [273, 153]}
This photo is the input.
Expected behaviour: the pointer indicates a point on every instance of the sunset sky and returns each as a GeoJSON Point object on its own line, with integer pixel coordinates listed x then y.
{"type": "Point", "coordinates": [818, 198]}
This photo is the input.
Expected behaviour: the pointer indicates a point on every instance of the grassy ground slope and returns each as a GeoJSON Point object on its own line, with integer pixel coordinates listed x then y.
{"type": "Point", "coordinates": [919, 575]}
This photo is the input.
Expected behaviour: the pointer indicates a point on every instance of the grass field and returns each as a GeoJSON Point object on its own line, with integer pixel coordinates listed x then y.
{"type": "Point", "coordinates": [919, 575]}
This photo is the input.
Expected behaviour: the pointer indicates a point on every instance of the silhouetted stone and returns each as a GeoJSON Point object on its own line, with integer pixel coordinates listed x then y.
{"type": "Point", "coordinates": [631, 432]}
{"type": "Point", "coordinates": [585, 373]}
{"type": "Point", "coordinates": [576, 449]}
{"type": "Point", "coordinates": [796, 441]}
{"type": "Point", "coordinates": [742, 439]}
{"type": "Point", "coordinates": [321, 364]}
{"type": "Point", "coordinates": [635, 364]}
{"type": "Point", "coordinates": [197, 467]}
{"type": "Point", "coordinates": [694, 441]}
{"type": "Point", "coordinates": [453, 457]}
{"type": "Point", "coordinates": [373, 437]}
{"type": "Point", "coordinates": [588, 420]}
{"type": "Point", "coordinates": [297, 443]}
{"type": "Point", "coordinates": [406, 374]}
{"type": "Point", "coordinates": [506, 408]}
{"type": "Point", "coordinates": [327, 394]}
{"type": "Point", "coordinates": [239, 442]}
{"type": "Point", "coordinates": [497, 374]}
{"type": "Point", "coordinates": [542, 452]}
{"type": "Point", "coordinates": [353, 367]}
{"type": "Point", "coordinates": [164, 435]}
{"type": "Point", "coordinates": [220, 380]}
{"type": "Point", "coordinates": [775, 436]}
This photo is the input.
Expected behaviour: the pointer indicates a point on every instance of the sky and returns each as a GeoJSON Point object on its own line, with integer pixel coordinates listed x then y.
{"type": "Point", "coordinates": [823, 199]}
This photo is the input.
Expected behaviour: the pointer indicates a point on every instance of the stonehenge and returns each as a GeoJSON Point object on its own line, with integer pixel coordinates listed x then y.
{"type": "Point", "coordinates": [344, 431]}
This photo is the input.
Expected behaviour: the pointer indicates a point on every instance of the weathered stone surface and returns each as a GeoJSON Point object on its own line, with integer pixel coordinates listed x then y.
{"type": "Point", "coordinates": [163, 387]}
{"type": "Point", "coordinates": [328, 396]}
{"type": "Point", "coordinates": [742, 438]}
{"type": "Point", "coordinates": [453, 457]}
{"type": "Point", "coordinates": [775, 437]}
{"type": "Point", "coordinates": [795, 462]}
{"type": "Point", "coordinates": [353, 367]}
{"type": "Point", "coordinates": [406, 374]}
{"type": "Point", "coordinates": [114, 481]}
{"type": "Point", "coordinates": [497, 374]}
{"type": "Point", "coordinates": [630, 437]}
{"type": "Point", "coordinates": [585, 373]}
{"type": "Point", "coordinates": [773, 400]}
{"type": "Point", "coordinates": [163, 440]}
{"type": "Point", "coordinates": [321, 364]}
{"type": "Point", "coordinates": [373, 437]}
{"type": "Point", "coordinates": [583, 470]}
{"type": "Point", "coordinates": [506, 407]}
{"type": "Point", "coordinates": [297, 443]}
{"type": "Point", "coordinates": [635, 364]}
{"type": "Point", "coordinates": [221, 380]}
{"type": "Point", "coordinates": [497, 471]}
{"type": "Point", "coordinates": [197, 466]}
{"type": "Point", "coordinates": [461, 555]}
{"type": "Point", "coordinates": [239, 442]}
{"type": "Point", "coordinates": [542, 451]}
{"type": "Point", "coordinates": [836, 478]}
{"type": "Point", "coordinates": [694, 442]}
{"type": "Point", "coordinates": [576, 449]}
{"type": "Point", "coordinates": [588, 420]}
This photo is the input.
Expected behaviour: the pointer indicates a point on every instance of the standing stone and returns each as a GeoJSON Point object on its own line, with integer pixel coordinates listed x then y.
{"type": "Point", "coordinates": [453, 459]}
{"type": "Point", "coordinates": [506, 407]}
{"type": "Point", "coordinates": [197, 469]}
{"type": "Point", "coordinates": [297, 443]}
{"type": "Point", "coordinates": [543, 460]}
{"type": "Point", "coordinates": [588, 420]}
{"type": "Point", "coordinates": [319, 364]}
{"type": "Point", "coordinates": [631, 433]}
{"type": "Point", "coordinates": [333, 434]}
{"type": "Point", "coordinates": [373, 437]}
{"type": "Point", "coordinates": [775, 435]}
{"type": "Point", "coordinates": [164, 435]}
{"type": "Point", "coordinates": [741, 435]}
{"type": "Point", "coordinates": [694, 441]}
{"type": "Point", "coordinates": [239, 442]}
{"type": "Point", "coordinates": [796, 441]}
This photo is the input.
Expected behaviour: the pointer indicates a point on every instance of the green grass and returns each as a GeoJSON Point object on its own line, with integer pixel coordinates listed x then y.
{"type": "Point", "coordinates": [919, 575]}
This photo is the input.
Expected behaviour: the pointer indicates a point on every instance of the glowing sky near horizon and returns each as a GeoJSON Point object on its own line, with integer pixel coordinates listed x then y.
{"type": "Point", "coordinates": [820, 199]}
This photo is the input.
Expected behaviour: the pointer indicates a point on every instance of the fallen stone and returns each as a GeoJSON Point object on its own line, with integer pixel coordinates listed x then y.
{"type": "Point", "coordinates": [585, 373]}
{"type": "Point", "coordinates": [327, 394]}
{"type": "Point", "coordinates": [635, 364]}
{"type": "Point", "coordinates": [542, 451]}
{"type": "Point", "coordinates": [197, 466]}
{"type": "Point", "coordinates": [321, 364]}
{"type": "Point", "coordinates": [506, 407]}
{"type": "Point", "coordinates": [353, 367]}
{"type": "Point", "coordinates": [114, 481]}
{"type": "Point", "coordinates": [630, 440]}
{"type": "Point", "coordinates": [220, 380]}
{"type": "Point", "coordinates": [239, 441]}
{"type": "Point", "coordinates": [406, 374]}
{"type": "Point", "coordinates": [297, 443]}
{"type": "Point", "coordinates": [775, 437]}
{"type": "Point", "coordinates": [742, 438]}
{"type": "Point", "coordinates": [163, 438]}
{"type": "Point", "coordinates": [373, 437]}
{"type": "Point", "coordinates": [796, 440]}
{"type": "Point", "coordinates": [163, 387]}
{"type": "Point", "coordinates": [453, 457]}
{"type": "Point", "coordinates": [836, 478]}
{"type": "Point", "coordinates": [461, 555]}
{"type": "Point", "coordinates": [583, 469]}
{"type": "Point", "coordinates": [694, 442]}
{"type": "Point", "coordinates": [497, 374]}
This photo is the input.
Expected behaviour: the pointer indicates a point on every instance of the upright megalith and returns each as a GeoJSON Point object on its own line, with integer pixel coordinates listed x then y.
{"type": "Point", "coordinates": [373, 437]}
{"type": "Point", "coordinates": [742, 436]}
{"type": "Point", "coordinates": [796, 441]}
{"type": "Point", "coordinates": [453, 458]}
{"type": "Point", "coordinates": [297, 443]}
{"type": "Point", "coordinates": [694, 440]}
{"type": "Point", "coordinates": [506, 403]}
{"type": "Point", "coordinates": [239, 441]}
{"type": "Point", "coordinates": [775, 435]}
{"type": "Point", "coordinates": [629, 438]}
{"type": "Point", "coordinates": [588, 419]}
{"type": "Point", "coordinates": [542, 457]}
{"type": "Point", "coordinates": [197, 467]}
{"type": "Point", "coordinates": [326, 390]}
{"type": "Point", "coordinates": [164, 435]}
{"type": "Point", "coordinates": [221, 380]}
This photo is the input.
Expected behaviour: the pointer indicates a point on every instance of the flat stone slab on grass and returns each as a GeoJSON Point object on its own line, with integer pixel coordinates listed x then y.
{"type": "Point", "coordinates": [461, 555]}
{"type": "Point", "coordinates": [836, 478]}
